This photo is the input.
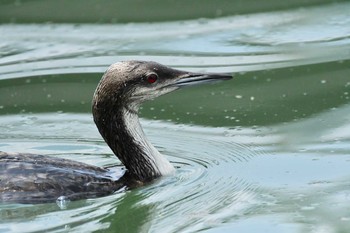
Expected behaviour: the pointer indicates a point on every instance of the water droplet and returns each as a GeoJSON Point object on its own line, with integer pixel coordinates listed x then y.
{"type": "Point", "coordinates": [62, 202]}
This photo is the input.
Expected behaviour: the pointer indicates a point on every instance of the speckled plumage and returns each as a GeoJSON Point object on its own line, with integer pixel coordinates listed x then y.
{"type": "Point", "coordinates": [29, 178]}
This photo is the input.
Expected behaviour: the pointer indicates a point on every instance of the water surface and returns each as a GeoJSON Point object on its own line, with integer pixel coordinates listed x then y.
{"type": "Point", "coordinates": [267, 151]}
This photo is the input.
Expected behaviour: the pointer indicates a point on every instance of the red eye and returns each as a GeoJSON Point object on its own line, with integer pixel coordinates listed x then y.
{"type": "Point", "coordinates": [152, 78]}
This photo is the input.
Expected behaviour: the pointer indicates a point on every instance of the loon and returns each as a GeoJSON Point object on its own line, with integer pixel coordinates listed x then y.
{"type": "Point", "coordinates": [31, 178]}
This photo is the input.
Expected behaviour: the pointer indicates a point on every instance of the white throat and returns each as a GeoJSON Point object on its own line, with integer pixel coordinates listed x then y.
{"type": "Point", "coordinates": [158, 161]}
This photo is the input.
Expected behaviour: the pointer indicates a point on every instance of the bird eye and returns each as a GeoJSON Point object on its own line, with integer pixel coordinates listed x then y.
{"type": "Point", "coordinates": [152, 78]}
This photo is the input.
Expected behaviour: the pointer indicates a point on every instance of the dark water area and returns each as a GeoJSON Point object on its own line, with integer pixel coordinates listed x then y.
{"type": "Point", "coordinates": [267, 151]}
{"type": "Point", "coordinates": [124, 11]}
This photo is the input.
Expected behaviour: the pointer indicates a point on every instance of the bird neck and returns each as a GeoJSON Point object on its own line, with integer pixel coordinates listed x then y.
{"type": "Point", "coordinates": [124, 135]}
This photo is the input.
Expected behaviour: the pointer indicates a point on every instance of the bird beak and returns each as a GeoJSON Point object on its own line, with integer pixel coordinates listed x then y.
{"type": "Point", "coordinates": [197, 78]}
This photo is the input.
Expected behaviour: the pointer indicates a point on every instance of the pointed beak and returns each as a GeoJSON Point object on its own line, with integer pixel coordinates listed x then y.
{"type": "Point", "coordinates": [197, 78]}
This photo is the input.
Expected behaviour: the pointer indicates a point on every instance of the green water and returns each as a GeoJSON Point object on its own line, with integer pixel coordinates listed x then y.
{"type": "Point", "coordinates": [267, 151]}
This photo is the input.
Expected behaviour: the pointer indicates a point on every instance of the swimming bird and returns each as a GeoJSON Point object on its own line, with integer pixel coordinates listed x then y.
{"type": "Point", "coordinates": [30, 178]}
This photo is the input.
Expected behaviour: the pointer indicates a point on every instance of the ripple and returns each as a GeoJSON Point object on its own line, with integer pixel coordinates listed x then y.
{"type": "Point", "coordinates": [206, 177]}
{"type": "Point", "coordinates": [249, 178]}
{"type": "Point", "coordinates": [50, 217]}
{"type": "Point", "coordinates": [222, 174]}
{"type": "Point", "coordinates": [281, 39]}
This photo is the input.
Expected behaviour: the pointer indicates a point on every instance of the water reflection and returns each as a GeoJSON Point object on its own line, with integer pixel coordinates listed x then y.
{"type": "Point", "coordinates": [222, 175]}
{"type": "Point", "coordinates": [88, 215]}
{"type": "Point", "coordinates": [276, 160]}
{"type": "Point", "coordinates": [198, 176]}
{"type": "Point", "coordinates": [240, 43]}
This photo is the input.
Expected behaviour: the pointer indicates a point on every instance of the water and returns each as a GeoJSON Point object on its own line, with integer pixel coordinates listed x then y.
{"type": "Point", "coordinates": [268, 151]}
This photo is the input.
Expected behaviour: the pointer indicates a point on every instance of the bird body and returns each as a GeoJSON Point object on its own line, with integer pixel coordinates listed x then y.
{"type": "Point", "coordinates": [28, 178]}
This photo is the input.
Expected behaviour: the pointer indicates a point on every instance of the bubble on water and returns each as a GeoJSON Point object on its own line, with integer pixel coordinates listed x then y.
{"type": "Point", "coordinates": [323, 81]}
{"type": "Point", "coordinates": [62, 202]}
{"type": "Point", "coordinates": [238, 96]}
{"type": "Point", "coordinates": [230, 117]}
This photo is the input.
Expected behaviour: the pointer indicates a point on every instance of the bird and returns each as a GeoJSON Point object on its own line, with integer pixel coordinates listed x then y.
{"type": "Point", "coordinates": [32, 178]}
